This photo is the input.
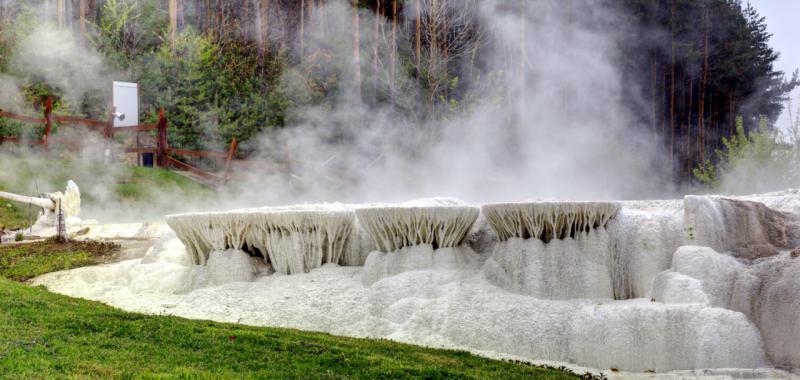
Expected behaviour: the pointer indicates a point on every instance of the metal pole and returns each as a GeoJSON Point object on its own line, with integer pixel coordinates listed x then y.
{"type": "Point", "coordinates": [41, 202]}
{"type": "Point", "coordinates": [61, 225]}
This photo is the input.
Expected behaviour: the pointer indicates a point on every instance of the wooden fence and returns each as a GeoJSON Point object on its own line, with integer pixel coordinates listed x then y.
{"type": "Point", "coordinates": [163, 153]}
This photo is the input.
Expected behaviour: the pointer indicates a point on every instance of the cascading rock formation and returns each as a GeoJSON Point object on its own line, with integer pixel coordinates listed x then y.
{"type": "Point", "coordinates": [417, 237]}
{"type": "Point", "coordinates": [553, 250]}
{"type": "Point", "coordinates": [548, 220]}
{"type": "Point", "coordinates": [703, 282]}
{"type": "Point", "coordinates": [291, 240]}
{"type": "Point", "coordinates": [395, 227]}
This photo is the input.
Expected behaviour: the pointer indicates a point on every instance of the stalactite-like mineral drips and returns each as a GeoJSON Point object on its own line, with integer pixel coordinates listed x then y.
{"type": "Point", "coordinates": [291, 239]}
{"type": "Point", "coordinates": [395, 227]}
{"type": "Point", "coordinates": [547, 220]}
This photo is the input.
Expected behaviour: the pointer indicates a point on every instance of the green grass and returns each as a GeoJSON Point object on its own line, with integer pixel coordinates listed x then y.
{"type": "Point", "coordinates": [139, 182]}
{"type": "Point", "coordinates": [47, 336]}
{"type": "Point", "coordinates": [15, 215]}
{"type": "Point", "coordinates": [24, 261]}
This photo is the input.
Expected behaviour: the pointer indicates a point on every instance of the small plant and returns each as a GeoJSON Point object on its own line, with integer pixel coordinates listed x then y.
{"type": "Point", "coordinates": [758, 160]}
{"type": "Point", "coordinates": [18, 236]}
{"type": "Point", "coordinates": [733, 149]}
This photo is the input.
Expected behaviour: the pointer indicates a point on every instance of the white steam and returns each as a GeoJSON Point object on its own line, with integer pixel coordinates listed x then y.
{"type": "Point", "coordinates": [556, 127]}
{"type": "Point", "coordinates": [542, 116]}
{"type": "Point", "coordinates": [55, 57]}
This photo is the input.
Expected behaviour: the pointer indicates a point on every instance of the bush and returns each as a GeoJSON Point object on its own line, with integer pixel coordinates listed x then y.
{"type": "Point", "coordinates": [211, 91]}
{"type": "Point", "coordinates": [758, 161]}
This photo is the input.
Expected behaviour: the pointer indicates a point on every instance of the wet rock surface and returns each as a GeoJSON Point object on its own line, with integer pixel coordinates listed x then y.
{"type": "Point", "coordinates": [746, 229]}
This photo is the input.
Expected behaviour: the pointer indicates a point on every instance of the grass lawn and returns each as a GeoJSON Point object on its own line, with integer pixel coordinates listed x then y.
{"type": "Point", "coordinates": [15, 215]}
{"type": "Point", "coordinates": [45, 335]}
{"type": "Point", "coordinates": [25, 261]}
{"type": "Point", "coordinates": [138, 183]}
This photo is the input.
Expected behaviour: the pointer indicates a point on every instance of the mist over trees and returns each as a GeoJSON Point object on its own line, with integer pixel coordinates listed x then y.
{"type": "Point", "coordinates": [225, 69]}
{"type": "Point", "coordinates": [702, 64]}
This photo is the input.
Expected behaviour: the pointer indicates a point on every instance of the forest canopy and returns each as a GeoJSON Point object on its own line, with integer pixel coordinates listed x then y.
{"type": "Point", "coordinates": [224, 69]}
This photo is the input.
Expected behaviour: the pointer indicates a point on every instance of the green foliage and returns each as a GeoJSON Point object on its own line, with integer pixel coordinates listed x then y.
{"type": "Point", "coordinates": [706, 173]}
{"type": "Point", "coordinates": [211, 91]}
{"type": "Point", "coordinates": [734, 150]}
{"type": "Point", "coordinates": [34, 91]}
{"type": "Point", "coordinates": [216, 84]}
{"type": "Point", "coordinates": [748, 160]}
{"type": "Point", "coordinates": [127, 29]}
{"type": "Point", "coordinates": [10, 128]}
{"type": "Point", "coordinates": [6, 45]}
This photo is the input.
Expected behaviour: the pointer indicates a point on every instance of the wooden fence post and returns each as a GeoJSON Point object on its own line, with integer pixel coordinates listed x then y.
{"type": "Point", "coordinates": [231, 153]}
{"type": "Point", "coordinates": [48, 123]}
{"type": "Point", "coordinates": [108, 133]}
{"type": "Point", "coordinates": [161, 154]}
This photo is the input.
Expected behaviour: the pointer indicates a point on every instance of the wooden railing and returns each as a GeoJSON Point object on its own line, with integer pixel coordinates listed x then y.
{"type": "Point", "coordinates": [164, 154]}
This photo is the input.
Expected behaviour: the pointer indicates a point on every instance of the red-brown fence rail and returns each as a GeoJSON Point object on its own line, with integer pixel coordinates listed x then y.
{"type": "Point", "coordinates": [163, 153]}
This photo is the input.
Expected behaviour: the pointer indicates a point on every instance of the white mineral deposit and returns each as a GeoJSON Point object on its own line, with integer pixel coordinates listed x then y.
{"type": "Point", "coordinates": [704, 285]}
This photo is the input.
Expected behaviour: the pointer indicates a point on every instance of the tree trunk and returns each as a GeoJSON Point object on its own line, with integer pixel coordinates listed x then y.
{"type": "Point", "coordinates": [375, 41]}
{"type": "Point", "coordinates": [356, 53]}
{"type": "Point", "coordinates": [83, 10]}
{"type": "Point", "coordinates": [312, 11]}
{"type": "Point", "coordinates": [60, 12]}
{"type": "Point", "coordinates": [433, 50]}
{"type": "Point", "coordinates": [321, 8]}
{"type": "Point", "coordinates": [173, 22]}
{"type": "Point", "coordinates": [5, 11]}
{"type": "Point", "coordinates": [731, 116]}
{"type": "Point", "coordinates": [181, 15]}
{"type": "Point", "coordinates": [393, 64]}
{"type": "Point", "coordinates": [198, 16]}
{"type": "Point", "coordinates": [672, 97]}
{"type": "Point", "coordinates": [209, 18]}
{"type": "Point", "coordinates": [302, 29]}
{"type": "Point", "coordinates": [688, 139]}
{"type": "Point", "coordinates": [418, 37]}
{"type": "Point", "coordinates": [246, 20]}
{"type": "Point", "coordinates": [288, 42]}
{"type": "Point", "coordinates": [653, 107]}
{"type": "Point", "coordinates": [710, 131]}
{"type": "Point", "coordinates": [701, 115]}
{"type": "Point", "coordinates": [523, 50]}
{"type": "Point", "coordinates": [262, 27]}
{"type": "Point", "coordinates": [220, 15]}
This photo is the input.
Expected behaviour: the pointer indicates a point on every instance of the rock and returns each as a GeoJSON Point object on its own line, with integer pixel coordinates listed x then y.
{"type": "Point", "coordinates": [765, 291]}
{"type": "Point", "coordinates": [745, 229]}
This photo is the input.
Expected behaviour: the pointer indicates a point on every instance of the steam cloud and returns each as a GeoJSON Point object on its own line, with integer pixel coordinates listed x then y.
{"type": "Point", "coordinates": [545, 119]}
{"type": "Point", "coordinates": [558, 128]}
